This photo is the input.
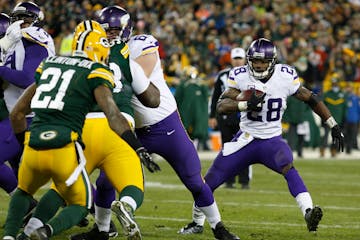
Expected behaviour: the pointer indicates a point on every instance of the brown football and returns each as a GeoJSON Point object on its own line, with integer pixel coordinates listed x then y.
{"type": "Point", "coordinates": [245, 95]}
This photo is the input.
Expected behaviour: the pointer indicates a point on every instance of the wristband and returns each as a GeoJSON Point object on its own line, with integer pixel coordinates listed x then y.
{"type": "Point", "coordinates": [330, 122]}
{"type": "Point", "coordinates": [130, 138]}
{"type": "Point", "coordinates": [242, 106]}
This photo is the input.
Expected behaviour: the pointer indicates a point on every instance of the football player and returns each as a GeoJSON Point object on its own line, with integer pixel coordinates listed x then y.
{"type": "Point", "coordinates": [259, 140]}
{"type": "Point", "coordinates": [25, 45]}
{"type": "Point", "coordinates": [161, 126]}
{"type": "Point", "coordinates": [119, 163]}
{"type": "Point", "coordinates": [8, 178]}
{"type": "Point", "coordinates": [66, 88]}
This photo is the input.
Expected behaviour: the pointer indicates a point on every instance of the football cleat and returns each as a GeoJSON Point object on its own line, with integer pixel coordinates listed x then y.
{"type": "Point", "coordinates": [39, 234]}
{"type": "Point", "coordinates": [221, 233]}
{"type": "Point", "coordinates": [124, 214]}
{"type": "Point", "coordinates": [313, 217]}
{"type": "Point", "coordinates": [191, 228]}
{"type": "Point", "coordinates": [94, 233]}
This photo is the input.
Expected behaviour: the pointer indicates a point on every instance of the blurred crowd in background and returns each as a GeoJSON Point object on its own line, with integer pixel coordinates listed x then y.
{"type": "Point", "coordinates": [321, 39]}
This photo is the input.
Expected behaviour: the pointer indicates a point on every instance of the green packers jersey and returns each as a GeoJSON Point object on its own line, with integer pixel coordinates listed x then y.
{"type": "Point", "coordinates": [64, 93]}
{"type": "Point", "coordinates": [120, 65]}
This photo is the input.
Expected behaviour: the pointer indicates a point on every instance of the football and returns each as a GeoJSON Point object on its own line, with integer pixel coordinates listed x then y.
{"type": "Point", "coordinates": [245, 95]}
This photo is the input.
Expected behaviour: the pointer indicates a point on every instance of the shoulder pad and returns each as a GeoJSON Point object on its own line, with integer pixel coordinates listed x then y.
{"type": "Point", "coordinates": [38, 35]}
{"type": "Point", "coordinates": [142, 44]}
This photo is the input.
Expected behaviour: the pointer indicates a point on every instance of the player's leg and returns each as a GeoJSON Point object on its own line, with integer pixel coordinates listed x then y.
{"type": "Point", "coordinates": [181, 154]}
{"type": "Point", "coordinates": [78, 195]}
{"type": "Point", "coordinates": [30, 180]}
{"type": "Point", "coordinates": [124, 171]}
{"type": "Point", "coordinates": [10, 149]}
{"type": "Point", "coordinates": [278, 157]}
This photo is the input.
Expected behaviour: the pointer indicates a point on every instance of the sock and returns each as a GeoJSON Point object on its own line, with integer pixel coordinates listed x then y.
{"type": "Point", "coordinates": [295, 183]}
{"type": "Point", "coordinates": [304, 201]}
{"type": "Point", "coordinates": [198, 216]}
{"type": "Point", "coordinates": [102, 218]}
{"type": "Point", "coordinates": [18, 207]}
{"type": "Point", "coordinates": [67, 218]}
{"type": "Point", "coordinates": [135, 193]}
{"type": "Point", "coordinates": [130, 201]}
{"type": "Point", "coordinates": [32, 225]}
{"type": "Point", "coordinates": [212, 214]}
{"type": "Point", "coordinates": [48, 206]}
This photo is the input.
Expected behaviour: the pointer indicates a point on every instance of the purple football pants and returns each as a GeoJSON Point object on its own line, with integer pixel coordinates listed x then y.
{"type": "Point", "coordinates": [169, 139]}
{"type": "Point", "coordinates": [10, 151]}
{"type": "Point", "coordinates": [273, 153]}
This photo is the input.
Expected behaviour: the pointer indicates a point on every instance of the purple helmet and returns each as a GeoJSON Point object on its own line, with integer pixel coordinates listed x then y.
{"type": "Point", "coordinates": [4, 23]}
{"type": "Point", "coordinates": [263, 49]}
{"type": "Point", "coordinates": [115, 17]}
{"type": "Point", "coordinates": [27, 10]}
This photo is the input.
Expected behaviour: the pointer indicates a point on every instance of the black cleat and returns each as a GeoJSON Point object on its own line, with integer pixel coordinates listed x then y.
{"type": "Point", "coordinates": [93, 234]}
{"type": "Point", "coordinates": [313, 217]}
{"type": "Point", "coordinates": [221, 233]}
{"type": "Point", "coordinates": [191, 228]}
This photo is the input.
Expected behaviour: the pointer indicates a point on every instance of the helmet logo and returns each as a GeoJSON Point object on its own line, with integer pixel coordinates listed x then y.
{"type": "Point", "coordinates": [259, 54]}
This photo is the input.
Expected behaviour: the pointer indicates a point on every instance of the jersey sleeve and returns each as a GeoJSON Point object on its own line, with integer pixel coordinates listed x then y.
{"type": "Point", "coordinates": [39, 36]}
{"type": "Point", "coordinates": [231, 80]}
{"type": "Point", "coordinates": [142, 44]}
{"type": "Point", "coordinates": [101, 76]}
{"type": "Point", "coordinates": [293, 78]}
{"type": "Point", "coordinates": [140, 81]}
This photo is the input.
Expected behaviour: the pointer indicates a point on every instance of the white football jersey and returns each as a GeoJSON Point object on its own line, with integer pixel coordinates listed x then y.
{"type": "Point", "coordinates": [283, 83]}
{"type": "Point", "coordinates": [141, 45]}
{"type": "Point", "coordinates": [15, 58]}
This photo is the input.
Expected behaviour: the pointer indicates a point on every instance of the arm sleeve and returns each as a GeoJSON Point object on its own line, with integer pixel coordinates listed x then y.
{"type": "Point", "coordinates": [24, 78]}
{"type": "Point", "coordinates": [140, 81]}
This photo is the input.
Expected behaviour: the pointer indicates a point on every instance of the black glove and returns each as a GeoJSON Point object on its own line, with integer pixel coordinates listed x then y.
{"type": "Point", "coordinates": [338, 137]}
{"type": "Point", "coordinates": [254, 104]}
{"type": "Point", "coordinates": [146, 159]}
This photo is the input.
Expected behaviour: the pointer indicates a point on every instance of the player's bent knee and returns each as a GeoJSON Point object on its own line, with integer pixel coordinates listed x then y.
{"type": "Point", "coordinates": [286, 168]}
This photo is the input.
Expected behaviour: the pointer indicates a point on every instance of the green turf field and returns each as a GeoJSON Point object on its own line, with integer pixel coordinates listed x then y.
{"type": "Point", "coordinates": [265, 212]}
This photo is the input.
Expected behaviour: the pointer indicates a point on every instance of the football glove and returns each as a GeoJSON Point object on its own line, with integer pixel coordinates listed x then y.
{"type": "Point", "coordinates": [146, 159]}
{"type": "Point", "coordinates": [254, 104]}
{"type": "Point", "coordinates": [337, 137]}
{"type": "Point", "coordinates": [12, 35]}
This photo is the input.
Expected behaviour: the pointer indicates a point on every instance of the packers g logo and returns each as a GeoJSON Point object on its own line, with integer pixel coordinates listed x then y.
{"type": "Point", "coordinates": [48, 135]}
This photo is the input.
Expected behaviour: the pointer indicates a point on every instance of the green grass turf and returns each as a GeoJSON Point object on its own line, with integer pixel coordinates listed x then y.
{"type": "Point", "coordinates": [265, 212]}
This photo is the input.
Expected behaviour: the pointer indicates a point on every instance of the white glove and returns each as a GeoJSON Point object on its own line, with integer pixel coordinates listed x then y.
{"type": "Point", "coordinates": [12, 35]}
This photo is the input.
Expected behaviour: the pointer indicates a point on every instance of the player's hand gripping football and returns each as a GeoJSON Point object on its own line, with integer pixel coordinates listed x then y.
{"type": "Point", "coordinates": [146, 159]}
{"type": "Point", "coordinates": [255, 102]}
{"type": "Point", "coordinates": [337, 137]}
